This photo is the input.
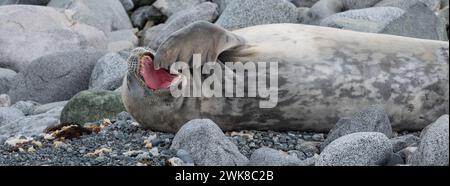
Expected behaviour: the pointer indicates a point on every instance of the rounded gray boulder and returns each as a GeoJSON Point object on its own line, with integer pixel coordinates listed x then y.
{"type": "Point", "coordinates": [109, 71]}
{"type": "Point", "coordinates": [55, 77]}
{"type": "Point", "coordinates": [246, 13]}
{"type": "Point", "coordinates": [372, 119]}
{"type": "Point", "coordinates": [357, 149]}
{"type": "Point", "coordinates": [433, 148]}
{"type": "Point", "coordinates": [207, 144]}
{"type": "Point", "coordinates": [29, 32]}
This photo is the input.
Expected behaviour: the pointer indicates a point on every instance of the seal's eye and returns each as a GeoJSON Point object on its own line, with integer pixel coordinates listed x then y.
{"type": "Point", "coordinates": [154, 79]}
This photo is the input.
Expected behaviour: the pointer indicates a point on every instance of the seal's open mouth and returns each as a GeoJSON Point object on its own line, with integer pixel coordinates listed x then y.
{"type": "Point", "coordinates": [155, 79]}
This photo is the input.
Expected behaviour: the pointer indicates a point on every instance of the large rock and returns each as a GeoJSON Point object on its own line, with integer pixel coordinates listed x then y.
{"type": "Point", "coordinates": [146, 13]}
{"type": "Point", "coordinates": [109, 71]}
{"type": "Point", "coordinates": [8, 114]}
{"type": "Point", "coordinates": [106, 15]}
{"type": "Point", "coordinates": [417, 21]}
{"type": "Point", "coordinates": [372, 119]}
{"type": "Point", "coordinates": [6, 77]}
{"type": "Point", "coordinates": [170, 7]}
{"type": "Point", "coordinates": [246, 13]}
{"type": "Point", "coordinates": [357, 149]}
{"type": "Point", "coordinates": [31, 125]}
{"type": "Point", "coordinates": [30, 32]}
{"type": "Point", "coordinates": [207, 144]}
{"type": "Point", "coordinates": [433, 148]}
{"type": "Point", "coordinates": [25, 2]}
{"type": "Point", "coordinates": [90, 106]}
{"type": "Point", "coordinates": [203, 12]}
{"type": "Point", "coordinates": [55, 77]}
{"type": "Point", "coordinates": [271, 157]}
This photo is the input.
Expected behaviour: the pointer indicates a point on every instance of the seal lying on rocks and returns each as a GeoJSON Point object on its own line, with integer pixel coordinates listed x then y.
{"type": "Point", "coordinates": [324, 74]}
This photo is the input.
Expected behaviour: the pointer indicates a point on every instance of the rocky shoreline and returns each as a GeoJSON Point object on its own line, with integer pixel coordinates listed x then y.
{"type": "Point", "coordinates": [62, 63]}
{"type": "Point", "coordinates": [200, 142]}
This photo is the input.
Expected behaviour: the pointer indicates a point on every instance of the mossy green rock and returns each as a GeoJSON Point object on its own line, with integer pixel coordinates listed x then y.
{"type": "Point", "coordinates": [90, 106]}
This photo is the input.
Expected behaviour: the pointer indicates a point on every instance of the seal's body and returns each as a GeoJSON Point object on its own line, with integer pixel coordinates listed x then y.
{"type": "Point", "coordinates": [324, 74]}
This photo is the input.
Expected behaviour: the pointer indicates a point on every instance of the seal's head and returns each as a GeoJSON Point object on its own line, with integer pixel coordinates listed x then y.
{"type": "Point", "coordinates": [140, 65]}
{"type": "Point", "coordinates": [146, 92]}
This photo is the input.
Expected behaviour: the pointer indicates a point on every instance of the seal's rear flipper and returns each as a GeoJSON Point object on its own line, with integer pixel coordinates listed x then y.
{"type": "Point", "coordinates": [202, 38]}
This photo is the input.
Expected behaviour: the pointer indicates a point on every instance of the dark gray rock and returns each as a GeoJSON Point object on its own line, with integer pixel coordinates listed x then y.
{"type": "Point", "coordinates": [170, 7]}
{"type": "Point", "coordinates": [30, 32]}
{"type": "Point", "coordinates": [271, 157]}
{"type": "Point", "coordinates": [357, 149]}
{"type": "Point", "coordinates": [304, 3]}
{"type": "Point", "coordinates": [106, 15]}
{"type": "Point", "coordinates": [396, 159]}
{"type": "Point", "coordinates": [207, 144]}
{"type": "Point", "coordinates": [6, 77]}
{"type": "Point", "coordinates": [124, 116]}
{"type": "Point", "coordinates": [25, 2]}
{"type": "Point", "coordinates": [401, 142]}
{"type": "Point", "coordinates": [127, 4]}
{"type": "Point", "coordinates": [416, 21]}
{"type": "Point", "coordinates": [308, 148]}
{"type": "Point", "coordinates": [109, 71]}
{"type": "Point", "coordinates": [139, 3]}
{"type": "Point", "coordinates": [55, 77]}
{"type": "Point", "coordinates": [144, 14]}
{"type": "Point", "coordinates": [433, 148]}
{"type": "Point", "coordinates": [246, 13]}
{"type": "Point", "coordinates": [203, 12]}
{"type": "Point", "coordinates": [372, 119]}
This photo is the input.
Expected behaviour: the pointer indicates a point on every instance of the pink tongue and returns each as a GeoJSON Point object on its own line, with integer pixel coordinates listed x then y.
{"type": "Point", "coordinates": [155, 79]}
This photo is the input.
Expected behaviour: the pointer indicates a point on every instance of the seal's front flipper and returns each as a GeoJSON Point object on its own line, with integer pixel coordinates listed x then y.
{"type": "Point", "coordinates": [203, 38]}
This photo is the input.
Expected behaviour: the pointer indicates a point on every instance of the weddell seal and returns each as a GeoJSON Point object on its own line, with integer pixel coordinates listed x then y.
{"type": "Point", "coordinates": [323, 74]}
